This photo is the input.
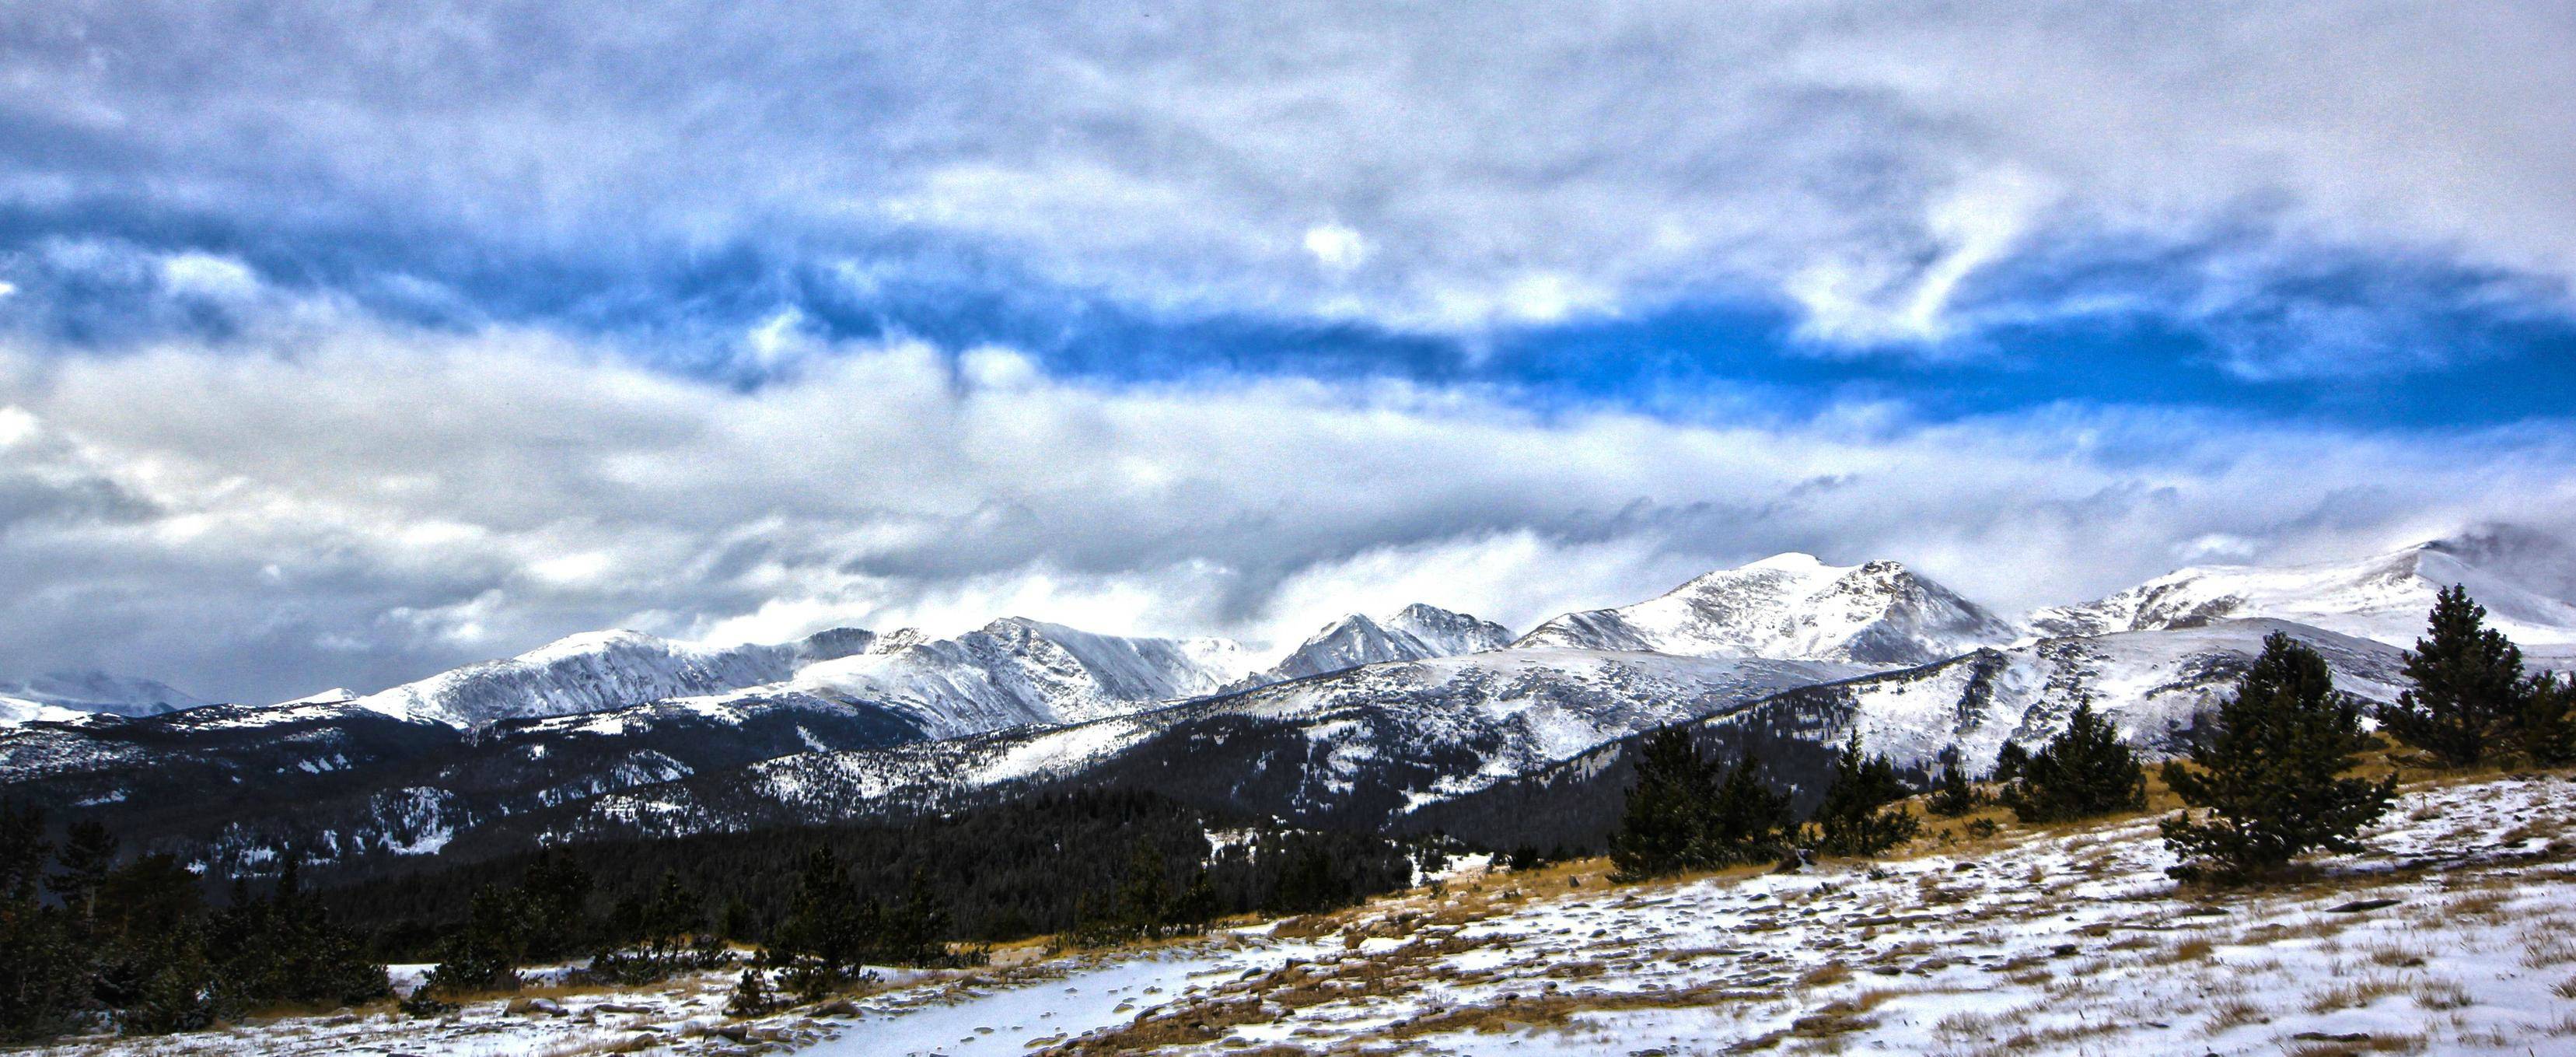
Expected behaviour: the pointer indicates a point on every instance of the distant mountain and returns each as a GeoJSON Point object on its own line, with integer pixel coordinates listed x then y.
{"type": "Point", "coordinates": [64, 696]}
{"type": "Point", "coordinates": [1415, 633]}
{"type": "Point", "coordinates": [228, 787]}
{"type": "Point", "coordinates": [2384, 597]}
{"type": "Point", "coordinates": [1791, 606]}
{"type": "Point", "coordinates": [1017, 671]}
{"type": "Point", "coordinates": [601, 670]}
{"type": "Point", "coordinates": [1360, 747]}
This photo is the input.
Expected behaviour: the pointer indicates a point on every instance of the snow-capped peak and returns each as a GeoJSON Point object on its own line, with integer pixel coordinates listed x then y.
{"type": "Point", "coordinates": [2385, 597]}
{"type": "Point", "coordinates": [1791, 606]}
{"type": "Point", "coordinates": [601, 670]}
{"type": "Point", "coordinates": [1015, 671]}
{"type": "Point", "coordinates": [1416, 632]}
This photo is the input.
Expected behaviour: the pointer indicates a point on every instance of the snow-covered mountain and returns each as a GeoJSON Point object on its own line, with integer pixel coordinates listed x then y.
{"type": "Point", "coordinates": [67, 696]}
{"type": "Point", "coordinates": [1791, 606]}
{"type": "Point", "coordinates": [1416, 632]}
{"type": "Point", "coordinates": [2150, 684]}
{"type": "Point", "coordinates": [2384, 597]}
{"type": "Point", "coordinates": [1361, 747]}
{"type": "Point", "coordinates": [601, 670]}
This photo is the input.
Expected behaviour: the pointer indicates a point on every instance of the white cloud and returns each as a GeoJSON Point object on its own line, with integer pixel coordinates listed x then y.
{"type": "Point", "coordinates": [1336, 247]}
{"type": "Point", "coordinates": [381, 503]}
{"type": "Point", "coordinates": [208, 276]}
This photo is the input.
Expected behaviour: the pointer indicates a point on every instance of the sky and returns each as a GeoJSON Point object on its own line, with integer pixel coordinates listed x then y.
{"type": "Point", "coordinates": [343, 343]}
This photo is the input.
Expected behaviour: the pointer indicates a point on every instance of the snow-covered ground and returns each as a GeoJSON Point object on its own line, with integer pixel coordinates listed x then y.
{"type": "Point", "coordinates": [2454, 933]}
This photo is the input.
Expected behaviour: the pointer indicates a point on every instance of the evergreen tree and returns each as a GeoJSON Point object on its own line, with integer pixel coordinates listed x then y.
{"type": "Point", "coordinates": [2084, 772]}
{"type": "Point", "coordinates": [88, 855]}
{"type": "Point", "coordinates": [2468, 685]}
{"type": "Point", "coordinates": [751, 995]}
{"type": "Point", "coordinates": [2009, 761]}
{"type": "Point", "coordinates": [1855, 817]}
{"type": "Point", "coordinates": [2545, 729]}
{"type": "Point", "coordinates": [914, 929]}
{"type": "Point", "coordinates": [484, 954]}
{"type": "Point", "coordinates": [1146, 898]}
{"type": "Point", "coordinates": [824, 918]}
{"type": "Point", "coordinates": [1952, 794]}
{"type": "Point", "coordinates": [43, 978]}
{"type": "Point", "coordinates": [2266, 781]}
{"type": "Point", "coordinates": [1310, 881]}
{"type": "Point", "coordinates": [554, 908]}
{"type": "Point", "coordinates": [1667, 809]}
{"type": "Point", "coordinates": [1747, 820]}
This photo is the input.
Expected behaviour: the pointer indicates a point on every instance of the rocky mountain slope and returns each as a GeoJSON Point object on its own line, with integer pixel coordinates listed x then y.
{"type": "Point", "coordinates": [1791, 606]}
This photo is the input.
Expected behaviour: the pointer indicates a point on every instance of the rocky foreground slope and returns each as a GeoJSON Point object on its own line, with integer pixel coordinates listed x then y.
{"type": "Point", "coordinates": [2450, 934]}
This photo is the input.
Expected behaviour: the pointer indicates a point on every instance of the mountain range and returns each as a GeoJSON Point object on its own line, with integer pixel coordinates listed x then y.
{"type": "Point", "coordinates": [1419, 718]}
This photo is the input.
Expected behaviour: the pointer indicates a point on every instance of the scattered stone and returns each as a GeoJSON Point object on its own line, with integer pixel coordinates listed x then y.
{"type": "Point", "coordinates": [2359, 905]}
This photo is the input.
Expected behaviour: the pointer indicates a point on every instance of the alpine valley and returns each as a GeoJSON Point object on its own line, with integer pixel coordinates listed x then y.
{"type": "Point", "coordinates": [1410, 721]}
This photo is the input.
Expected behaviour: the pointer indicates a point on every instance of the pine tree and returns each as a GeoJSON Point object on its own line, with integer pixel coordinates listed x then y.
{"type": "Point", "coordinates": [752, 996]}
{"type": "Point", "coordinates": [1747, 820]}
{"type": "Point", "coordinates": [2266, 779]}
{"type": "Point", "coordinates": [1850, 820]}
{"type": "Point", "coordinates": [554, 906]}
{"type": "Point", "coordinates": [1667, 809]}
{"type": "Point", "coordinates": [2468, 685]}
{"type": "Point", "coordinates": [1952, 794]}
{"type": "Point", "coordinates": [43, 966]}
{"type": "Point", "coordinates": [88, 854]}
{"type": "Point", "coordinates": [1145, 900]}
{"type": "Point", "coordinates": [2009, 761]}
{"type": "Point", "coordinates": [2545, 729]}
{"type": "Point", "coordinates": [2085, 771]}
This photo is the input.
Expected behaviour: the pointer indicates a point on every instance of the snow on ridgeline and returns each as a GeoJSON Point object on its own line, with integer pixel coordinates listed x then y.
{"type": "Point", "coordinates": [2383, 597]}
{"type": "Point", "coordinates": [1009, 672]}
{"type": "Point", "coordinates": [598, 671]}
{"type": "Point", "coordinates": [1791, 606]}
{"type": "Point", "coordinates": [1417, 632]}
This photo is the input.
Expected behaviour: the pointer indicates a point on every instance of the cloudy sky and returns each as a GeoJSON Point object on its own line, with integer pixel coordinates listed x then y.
{"type": "Point", "coordinates": [341, 343]}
